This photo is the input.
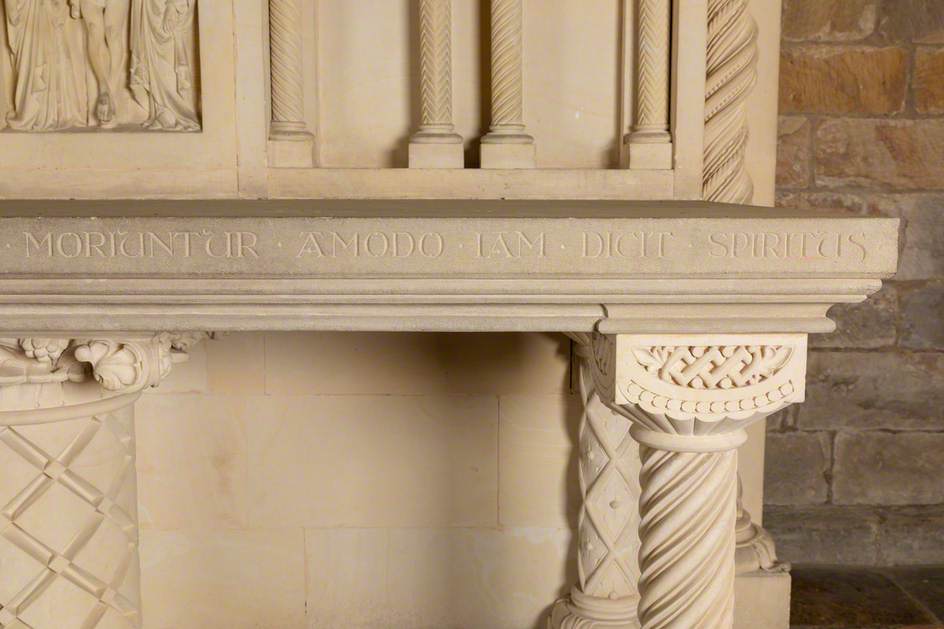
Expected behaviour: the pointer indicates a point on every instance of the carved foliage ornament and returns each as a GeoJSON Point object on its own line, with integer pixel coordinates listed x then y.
{"type": "Point", "coordinates": [118, 365]}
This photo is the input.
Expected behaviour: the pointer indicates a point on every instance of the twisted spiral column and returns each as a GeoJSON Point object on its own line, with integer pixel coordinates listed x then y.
{"type": "Point", "coordinates": [436, 125]}
{"type": "Point", "coordinates": [690, 399]}
{"type": "Point", "coordinates": [286, 72]}
{"type": "Point", "coordinates": [731, 74]}
{"type": "Point", "coordinates": [687, 510]}
{"type": "Point", "coordinates": [507, 115]}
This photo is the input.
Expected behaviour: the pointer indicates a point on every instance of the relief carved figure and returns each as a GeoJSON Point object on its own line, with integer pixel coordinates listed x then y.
{"type": "Point", "coordinates": [111, 64]}
{"type": "Point", "coordinates": [46, 94]}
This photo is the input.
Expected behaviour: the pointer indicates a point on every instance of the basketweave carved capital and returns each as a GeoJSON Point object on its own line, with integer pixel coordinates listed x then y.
{"type": "Point", "coordinates": [119, 364]}
{"type": "Point", "coordinates": [699, 384]}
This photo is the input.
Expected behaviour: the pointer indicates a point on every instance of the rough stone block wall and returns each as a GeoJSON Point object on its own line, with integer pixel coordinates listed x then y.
{"type": "Point", "coordinates": [856, 474]}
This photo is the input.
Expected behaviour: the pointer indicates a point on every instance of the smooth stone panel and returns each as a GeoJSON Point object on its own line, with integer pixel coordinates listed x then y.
{"type": "Point", "coordinates": [304, 363]}
{"type": "Point", "coordinates": [217, 579]}
{"type": "Point", "coordinates": [192, 461]}
{"type": "Point", "coordinates": [538, 460]}
{"type": "Point", "coordinates": [423, 578]}
{"type": "Point", "coordinates": [372, 461]}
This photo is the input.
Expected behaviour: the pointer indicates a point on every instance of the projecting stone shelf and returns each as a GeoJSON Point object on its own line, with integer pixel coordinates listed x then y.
{"type": "Point", "coordinates": [691, 323]}
{"type": "Point", "coordinates": [646, 267]}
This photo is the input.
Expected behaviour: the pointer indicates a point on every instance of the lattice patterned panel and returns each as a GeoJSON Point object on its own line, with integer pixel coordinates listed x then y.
{"type": "Point", "coordinates": [609, 467]}
{"type": "Point", "coordinates": [68, 525]}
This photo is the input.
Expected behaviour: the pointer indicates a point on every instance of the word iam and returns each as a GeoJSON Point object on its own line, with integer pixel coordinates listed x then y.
{"type": "Point", "coordinates": [146, 244]}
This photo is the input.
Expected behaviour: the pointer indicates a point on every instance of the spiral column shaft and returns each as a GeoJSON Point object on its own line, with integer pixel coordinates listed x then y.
{"type": "Point", "coordinates": [731, 75]}
{"type": "Point", "coordinates": [507, 145]}
{"type": "Point", "coordinates": [285, 50]}
{"type": "Point", "coordinates": [290, 142]}
{"type": "Point", "coordinates": [687, 510]}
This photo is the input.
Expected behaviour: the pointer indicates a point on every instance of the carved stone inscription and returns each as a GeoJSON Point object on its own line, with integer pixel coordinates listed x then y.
{"type": "Point", "coordinates": [404, 246]}
{"type": "Point", "coordinates": [105, 64]}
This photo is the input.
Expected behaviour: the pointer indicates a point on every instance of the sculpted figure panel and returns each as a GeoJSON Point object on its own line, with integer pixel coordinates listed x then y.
{"type": "Point", "coordinates": [105, 64]}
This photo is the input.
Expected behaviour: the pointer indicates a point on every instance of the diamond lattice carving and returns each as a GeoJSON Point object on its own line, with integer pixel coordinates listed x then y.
{"type": "Point", "coordinates": [608, 519]}
{"type": "Point", "coordinates": [95, 568]}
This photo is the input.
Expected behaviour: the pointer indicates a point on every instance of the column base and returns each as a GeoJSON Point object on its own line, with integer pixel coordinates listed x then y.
{"type": "Point", "coordinates": [646, 155]}
{"type": "Point", "coordinates": [762, 600]}
{"type": "Point", "coordinates": [292, 150]}
{"type": "Point", "coordinates": [437, 154]}
{"type": "Point", "coordinates": [508, 148]}
{"type": "Point", "coordinates": [579, 611]}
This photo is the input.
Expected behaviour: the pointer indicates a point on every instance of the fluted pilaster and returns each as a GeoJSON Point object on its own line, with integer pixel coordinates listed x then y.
{"type": "Point", "coordinates": [507, 145]}
{"type": "Point", "coordinates": [731, 74]}
{"type": "Point", "coordinates": [290, 141]}
{"type": "Point", "coordinates": [650, 144]}
{"type": "Point", "coordinates": [436, 144]}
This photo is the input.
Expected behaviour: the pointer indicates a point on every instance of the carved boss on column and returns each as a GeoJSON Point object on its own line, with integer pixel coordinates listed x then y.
{"type": "Point", "coordinates": [689, 399]}
{"type": "Point", "coordinates": [66, 426]}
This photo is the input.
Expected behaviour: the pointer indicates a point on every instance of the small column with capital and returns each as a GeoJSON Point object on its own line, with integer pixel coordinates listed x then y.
{"type": "Point", "coordinates": [291, 144]}
{"type": "Point", "coordinates": [436, 144]}
{"type": "Point", "coordinates": [648, 145]}
{"type": "Point", "coordinates": [507, 144]}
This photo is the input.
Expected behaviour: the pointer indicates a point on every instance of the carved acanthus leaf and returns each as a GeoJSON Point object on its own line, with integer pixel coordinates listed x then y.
{"type": "Point", "coordinates": [117, 364]}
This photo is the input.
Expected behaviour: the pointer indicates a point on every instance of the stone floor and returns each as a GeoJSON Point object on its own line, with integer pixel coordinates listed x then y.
{"type": "Point", "coordinates": [863, 598]}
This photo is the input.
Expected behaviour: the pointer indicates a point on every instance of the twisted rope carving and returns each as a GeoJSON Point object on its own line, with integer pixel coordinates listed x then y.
{"type": "Point", "coordinates": [285, 49]}
{"type": "Point", "coordinates": [652, 63]}
{"type": "Point", "coordinates": [687, 510]}
{"type": "Point", "coordinates": [436, 62]}
{"type": "Point", "coordinates": [507, 108]}
{"type": "Point", "coordinates": [731, 74]}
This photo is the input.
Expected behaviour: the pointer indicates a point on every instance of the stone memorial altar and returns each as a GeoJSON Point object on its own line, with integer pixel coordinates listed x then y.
{"type": "Point", "coordinates": [462, 195]}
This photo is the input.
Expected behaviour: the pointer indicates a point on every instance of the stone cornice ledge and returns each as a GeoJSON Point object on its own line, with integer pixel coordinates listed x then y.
{"type": "Point", "coordinates": [614, 267]}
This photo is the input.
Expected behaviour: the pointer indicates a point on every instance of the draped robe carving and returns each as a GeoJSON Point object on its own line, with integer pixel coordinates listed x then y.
{"type": "Point", "coordinates": [47, 81]}
{"type": "Point", "coordinates": [46, 95]}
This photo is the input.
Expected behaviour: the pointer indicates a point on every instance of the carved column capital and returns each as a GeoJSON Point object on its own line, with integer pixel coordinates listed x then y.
{"type": "Point", "coordinates": [702, 385]}
{"type": "Point", "coordinates": [689, 398]}
{"type": "Point", "coordinates": [120, 364]}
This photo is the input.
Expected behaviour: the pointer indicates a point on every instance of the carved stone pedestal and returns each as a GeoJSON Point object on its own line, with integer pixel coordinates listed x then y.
{"type": "Point", "coordinates": [68, 496]}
